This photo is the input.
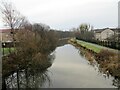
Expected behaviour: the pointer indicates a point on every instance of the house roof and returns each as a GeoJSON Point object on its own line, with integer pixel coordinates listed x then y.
{"type": "Point", "coordinates": [5, 30]}
{"type": "Point", "coordinates": [100, 30]}
{"type": "Point", "coordinates": [115, 29]}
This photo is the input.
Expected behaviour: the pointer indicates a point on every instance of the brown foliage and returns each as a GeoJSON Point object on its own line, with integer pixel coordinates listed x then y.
{"type": "Point", "coordinates": [32, 51]}
{"type": "Point", "coordinates": [109, 61]}
{"type": "Point", "coordinates": [104, 55]}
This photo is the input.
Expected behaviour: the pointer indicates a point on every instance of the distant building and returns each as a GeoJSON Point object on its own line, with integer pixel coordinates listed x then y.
{"type": "Point", "coordinates": [103, 34]}
{"type": "Point", "coordinates": [5, 35]}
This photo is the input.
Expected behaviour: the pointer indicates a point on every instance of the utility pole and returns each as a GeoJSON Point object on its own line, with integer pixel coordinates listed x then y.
{"type": "Point", "coordinates": [1, 60]}
{"type": "Point", "coordinates": [119, 14]}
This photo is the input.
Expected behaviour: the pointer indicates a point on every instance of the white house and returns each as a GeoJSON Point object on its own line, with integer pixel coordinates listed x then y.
{"type": "Point", "coordinates": [103, 34]}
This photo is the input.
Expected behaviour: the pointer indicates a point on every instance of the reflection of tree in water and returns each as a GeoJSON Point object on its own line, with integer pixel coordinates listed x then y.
{"type": "Point", "coordinates": [116, 82]}
{"type": "Point", "coordinates": [99, 68]}
{"type": "Point", "coordinates": [28, 80]}
{"type": "Point", "coordinates": [62, 42]}
{"type": "Point", "coordinates": [34, 77]}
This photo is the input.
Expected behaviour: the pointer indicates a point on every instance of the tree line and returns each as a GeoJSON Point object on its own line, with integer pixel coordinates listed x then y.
{"type": "Point", "coordinates": [85, 32]}
{"type": "Point", "coordinates": [32, 43]}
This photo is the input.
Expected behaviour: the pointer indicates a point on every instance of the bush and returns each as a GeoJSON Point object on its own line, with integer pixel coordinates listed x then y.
{"type": "Point", "coordinates": [104, 55]}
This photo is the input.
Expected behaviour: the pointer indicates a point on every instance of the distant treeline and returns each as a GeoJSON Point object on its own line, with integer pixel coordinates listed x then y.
{"type": "Point", "coordinates": [85, 32]}
{"type": "Point", "coordinates": [64, 34]}
{"type": "Point", "coordinates": [58, 34]}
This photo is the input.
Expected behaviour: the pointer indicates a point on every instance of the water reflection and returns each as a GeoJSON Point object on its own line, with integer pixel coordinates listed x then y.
{"type": "Point", "coordinates": [30, 77]}
{"type": "Point", "coordinates": [69, 66]}
{"type": "Point", "coordinates": [71, 70]}
{"type": "Point", "coordinates": [116, 82]}
{"type": "Point", "coordinates": [62, 42]}
{"type": "Point", "coordinates": [27, 80]}
{"type": "Point", "coordinates": [90, 57]}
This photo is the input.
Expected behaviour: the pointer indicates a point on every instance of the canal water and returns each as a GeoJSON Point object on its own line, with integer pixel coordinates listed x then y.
{"type": "Point", "coordinates": [71, 70]}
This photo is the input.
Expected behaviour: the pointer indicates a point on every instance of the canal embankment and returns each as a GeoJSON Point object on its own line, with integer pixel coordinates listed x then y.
{"type": "Point", "coordinates": [108, 59]}
{"type": "Point", "coordinates": [70, 65]}
{"type": "Point", "coordinates": [94, 47]}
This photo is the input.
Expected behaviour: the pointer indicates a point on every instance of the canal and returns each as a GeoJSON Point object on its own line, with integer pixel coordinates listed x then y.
{"type": "Point", "coordinates": [69, 69]}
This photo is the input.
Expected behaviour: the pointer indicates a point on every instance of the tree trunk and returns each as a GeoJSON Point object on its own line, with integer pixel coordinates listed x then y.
{"type": "Point", "coordinates": [3, 84]}
{"type": "Point", "coordinates": [18, 86]}
{"type": "Point", "coordinates": [26, 76]}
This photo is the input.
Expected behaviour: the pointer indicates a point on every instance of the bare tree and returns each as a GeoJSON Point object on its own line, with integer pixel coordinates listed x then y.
{"type": "Point", "coordinates": [12, 18]}
{"type": "Point", "coordinates": [84, 27]}
{"type": "Point", "coordinates": [84, 32]}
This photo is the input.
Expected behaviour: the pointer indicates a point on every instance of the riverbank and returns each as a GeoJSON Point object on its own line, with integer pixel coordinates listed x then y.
{"type": "Point", "coordinates": [86, 45]}
{"type": "Point", "coordinates": [94, 47]}
{"type": "Point", "coordinates": [108, 60]}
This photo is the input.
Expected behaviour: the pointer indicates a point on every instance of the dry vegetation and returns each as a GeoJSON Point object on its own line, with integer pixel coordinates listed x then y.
{"type": "Point", "coordinates": [109, 62]}
{"type": "Point", "coordinates": [32, 50]}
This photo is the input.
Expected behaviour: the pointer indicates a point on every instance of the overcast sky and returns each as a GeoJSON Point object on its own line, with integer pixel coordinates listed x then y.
{"type": "Point", "coordinates": [66, 14]}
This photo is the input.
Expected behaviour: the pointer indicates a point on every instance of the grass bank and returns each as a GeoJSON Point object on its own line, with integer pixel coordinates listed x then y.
{"type": "Point", "coordinates": [108, 60]}
{"type": "Point", "coordinates": [87, 45]}
{"type": "Point", "coordinates": [7, 50]}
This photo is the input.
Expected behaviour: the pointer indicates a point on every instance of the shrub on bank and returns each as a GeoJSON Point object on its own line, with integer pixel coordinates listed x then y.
{"type": "Point", "coordinates": [104, 55]}
{"type": "Point", "coordinates": [109, 61]}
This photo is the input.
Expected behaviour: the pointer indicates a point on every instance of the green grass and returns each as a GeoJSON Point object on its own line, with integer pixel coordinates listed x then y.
{"type": "Point", "coordinates": [90, 46]}
{"type": "Point", "coordinates": [6, 50]}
